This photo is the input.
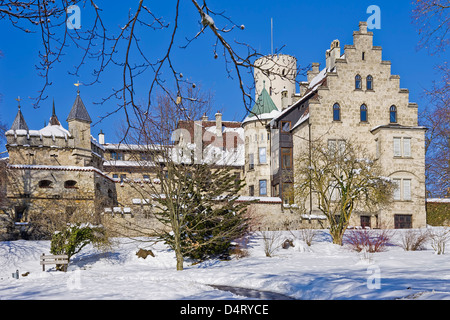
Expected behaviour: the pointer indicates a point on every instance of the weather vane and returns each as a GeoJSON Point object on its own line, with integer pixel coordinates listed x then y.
{"type": "Point", "coordinates": [18, 101]}
{"type": "Point", "coordinates": [78, 84]}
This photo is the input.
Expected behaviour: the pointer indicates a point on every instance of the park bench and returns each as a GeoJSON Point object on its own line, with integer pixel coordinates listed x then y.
{"type": "Point", "coordinates": [62, 259]}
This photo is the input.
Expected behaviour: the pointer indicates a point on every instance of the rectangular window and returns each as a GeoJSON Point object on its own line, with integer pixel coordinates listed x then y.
{"type": "Point", "coordinates": [262, 155]}
{"type": "Point", "coordinates": [115, 176]}
{"type": "Point", "coordinates": [286, 158]}
{"type": "Point", "coordinates": [407, 147]}
{"type": "Point", "coordinates": [397, 147]}
{"type": "Point", "coordinates": [402, 147]}
{"type": "Point", "coordinates": [402, 221]}
{"type": "Point", "coordinates": [262, 187]}
{"type": "Point", "coordinates": [251, 162]}
{"type": "Point", "coordinates": [365, 221]}
{"type": "Point", "coordinates": [397, 189]}
{"type": "Point", "coordinates": [123, 177]}
{"type": "Point", "coordinates": [251, 191]}
{"type": "Point", "coordinates": [332, 146]}
{"type": "Point", "coordinates": [406, 189]}
{"type": "Point", "coordinates": [285, 126]}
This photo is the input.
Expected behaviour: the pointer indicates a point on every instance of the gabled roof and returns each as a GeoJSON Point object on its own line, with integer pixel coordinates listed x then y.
{"type": "Point", "coordinates": [19, 122]}
{"type": "Point", "coordinates": [78, 111]}
{"type": "Point", "coordinates": [264, 104]}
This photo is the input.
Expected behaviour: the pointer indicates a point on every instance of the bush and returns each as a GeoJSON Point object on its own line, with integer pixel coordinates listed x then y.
{"type": "Point", "coordinates": [73, 238]}
{"type": "Point", "coordinates": [413, 240]}
{"type": "Point", "coordinates": [439, 238]}
{"type": "Point", "coordinates": [368, 240]}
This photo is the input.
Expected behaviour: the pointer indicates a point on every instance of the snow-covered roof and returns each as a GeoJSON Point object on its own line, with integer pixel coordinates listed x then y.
{"type": "Point", "coordinates": [48, 131]}
{"type": "Point", "coordinates": [440, 200]}
{"type": "Point", "coordinates": [264, 116]}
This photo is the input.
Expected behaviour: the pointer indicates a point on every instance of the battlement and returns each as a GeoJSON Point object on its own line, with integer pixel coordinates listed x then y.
{"type": "Point", "coordinates": [50, 136]}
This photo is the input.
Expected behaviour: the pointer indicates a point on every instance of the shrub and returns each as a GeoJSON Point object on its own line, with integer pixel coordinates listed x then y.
{"type": "Point", "coordinates": [73, 238]}
{"type": "Point", "coordinates": [368, 240]}
{"type": "Point", "coordinates": [439, 238]}
{"type": "Point", "coordinates": [413, 240]}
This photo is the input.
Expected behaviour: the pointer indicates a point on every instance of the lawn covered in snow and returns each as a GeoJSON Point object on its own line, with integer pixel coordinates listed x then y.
{"type": "Point", "coordinates": [322, 271]}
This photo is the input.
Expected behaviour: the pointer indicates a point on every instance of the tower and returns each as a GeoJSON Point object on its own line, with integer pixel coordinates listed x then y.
{"type": "Point", "coordinates": [277, 73]}
{"type": "Point", "coordinates": [80, 129]}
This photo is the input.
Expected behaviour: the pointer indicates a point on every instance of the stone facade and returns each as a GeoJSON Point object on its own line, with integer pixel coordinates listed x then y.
{"type": "Point", "coordinates": [356, 98]}
{"type": "Point", "coordinates": [67, 170]}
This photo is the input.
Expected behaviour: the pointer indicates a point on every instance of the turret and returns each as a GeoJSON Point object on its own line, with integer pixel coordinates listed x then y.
{"type": "Point", "coordinates": [277, 73]}
{"type": "Point", "coordinates": [80, 129]}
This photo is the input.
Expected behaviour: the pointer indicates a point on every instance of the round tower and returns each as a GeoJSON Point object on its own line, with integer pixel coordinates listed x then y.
{"type": "Point", "coordinates": [277, 73]}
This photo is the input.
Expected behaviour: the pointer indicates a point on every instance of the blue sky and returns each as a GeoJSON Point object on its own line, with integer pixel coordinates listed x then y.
{"type": "Point", "coordinates": [304, 28]}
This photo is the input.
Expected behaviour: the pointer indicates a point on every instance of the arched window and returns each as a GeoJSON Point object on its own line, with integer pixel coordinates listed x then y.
{"type": "Point", "coordinates": [363, 113]}
{"type": "Point", "coordinates": [45, 184]}
{"type": "Point", "coordinates": [70, 184]}
{"type": "Point", "coordinates": [369, 83]}
{"type": "Point", "coordinates": [358, 82]}
{"type": "Point", "coordinates": [393, 114]}
{"type": "Point", "coordinates": [336, 112]}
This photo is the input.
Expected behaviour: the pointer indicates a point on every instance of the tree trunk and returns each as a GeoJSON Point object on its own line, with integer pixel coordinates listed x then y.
{"type": "Point", "coordinates": [178, 253]}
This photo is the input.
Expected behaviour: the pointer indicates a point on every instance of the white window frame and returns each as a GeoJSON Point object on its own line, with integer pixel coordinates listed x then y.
{"type": "Point", "coordinates": [402, 147]}
{"type": "Point", "coordinates": [262, 155]}
{"type": "Point", "coordinates": [403, 191]}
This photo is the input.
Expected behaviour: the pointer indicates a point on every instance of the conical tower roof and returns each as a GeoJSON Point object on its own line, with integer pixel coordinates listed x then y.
{"type": "Point", "coordinates": [78, 111]}
{"type": "Point", "coordinates": [264, 104]}
{"type": "Point", "coordinates": [19, 122]}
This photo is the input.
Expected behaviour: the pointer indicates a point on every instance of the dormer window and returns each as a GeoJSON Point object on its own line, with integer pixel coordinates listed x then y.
{"type": "Point", "coordinates": [358, 82]}
{"type": "Point", "coordinates": [45, 184]}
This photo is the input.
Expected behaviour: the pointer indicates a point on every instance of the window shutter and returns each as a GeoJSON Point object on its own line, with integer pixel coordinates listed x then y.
{"type": "Point", "coordinates": [397, 189]}
{"type": "Point", "coordinates": [397, 150]}
{"type": "Point", "coordinates": [406, 189]}
{"type": "Point", "coordinates": [407, 147]}
{"type": "Point", "coordinates": [262, 155]}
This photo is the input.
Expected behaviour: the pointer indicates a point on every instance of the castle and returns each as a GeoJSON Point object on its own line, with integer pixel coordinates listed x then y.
{"type": "Point", "coordinates": [354, 96]}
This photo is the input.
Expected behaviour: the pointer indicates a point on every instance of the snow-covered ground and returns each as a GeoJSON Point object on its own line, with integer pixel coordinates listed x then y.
{"type": "Point", "coordinates": [323, 271]}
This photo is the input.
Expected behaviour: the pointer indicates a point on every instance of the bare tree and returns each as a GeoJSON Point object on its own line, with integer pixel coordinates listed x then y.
{"type": "Point", "coordinates": [114, 48]}
{"type": "Point", "coordinates": [343, 180]}
{"type": "Point", "coordinates": [193, 203]}
{"type": "Point", "coordinates": [432, 18]}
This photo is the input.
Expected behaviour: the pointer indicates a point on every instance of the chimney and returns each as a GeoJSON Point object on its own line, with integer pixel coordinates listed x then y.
{"type": "Point", "coordinates": [314, 71]}
{"type": "Point", "coordinates": [363, 27]}
{"type": "Point", "coordinates": [204, 117]}
{"type": "Point", "coordinates": [101, 137]}
{"type": "Point", "coordinates": [219, 124]}
{"type": "Point", "coordinates": [333, 54]}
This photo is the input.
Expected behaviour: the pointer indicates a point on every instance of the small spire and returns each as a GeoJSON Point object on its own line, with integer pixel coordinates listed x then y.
{"type": "Point", "coordinates": [19, 122]}
{"type": "Point", "coordinates": [54, 119]}
{"type": "Point", "coordinates": [53, 111]}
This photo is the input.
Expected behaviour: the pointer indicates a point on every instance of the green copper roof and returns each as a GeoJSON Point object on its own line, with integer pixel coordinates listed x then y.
{"type": "Point", "coordinates": [264, 104]}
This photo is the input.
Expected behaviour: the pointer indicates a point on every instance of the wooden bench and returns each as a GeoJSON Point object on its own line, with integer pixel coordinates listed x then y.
{"type": "Point", "coordinates": [62, 259]}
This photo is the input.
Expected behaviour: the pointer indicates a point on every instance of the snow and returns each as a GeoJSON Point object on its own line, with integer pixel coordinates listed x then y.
{"type": "Point", "coordinates": [323, 271]}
